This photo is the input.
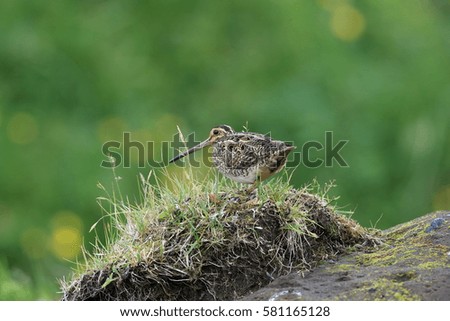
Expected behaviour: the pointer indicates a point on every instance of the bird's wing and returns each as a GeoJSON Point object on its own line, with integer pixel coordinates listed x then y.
{"type": "Point", "coordinates": [239, 151]}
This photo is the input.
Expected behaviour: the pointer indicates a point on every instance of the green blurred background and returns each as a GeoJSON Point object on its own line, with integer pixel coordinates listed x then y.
{"type": "Point", "coordinates": [75, 74]}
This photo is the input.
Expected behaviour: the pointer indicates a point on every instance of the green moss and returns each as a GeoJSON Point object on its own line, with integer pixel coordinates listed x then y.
{"type": "Point", "coordinates": [408, 256]}
{"type": "Point", "coordinates": [383, 289]}
{"type": "Point", "coordinates": [379, 258]}
{"type": "Point", "coordinates": [341, 267]}
{"type": "Point", "coordinates": [409, 245]}
{"type": "Point", "coordinates": [433, 265]}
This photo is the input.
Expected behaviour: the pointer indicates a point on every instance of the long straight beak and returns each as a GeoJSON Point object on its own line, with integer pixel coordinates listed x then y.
{"type": "Point", "coordinates": [191, 150]}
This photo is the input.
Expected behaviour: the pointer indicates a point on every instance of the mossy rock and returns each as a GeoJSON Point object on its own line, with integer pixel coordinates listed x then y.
{"type": "Point", "coordinates": [413, 263]}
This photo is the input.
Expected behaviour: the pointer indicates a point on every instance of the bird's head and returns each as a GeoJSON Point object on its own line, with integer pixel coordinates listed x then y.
{"type": "Point", "coordinates": [215, 134]}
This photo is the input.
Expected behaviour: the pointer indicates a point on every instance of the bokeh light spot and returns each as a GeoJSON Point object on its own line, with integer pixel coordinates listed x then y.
{"type": "Point", "coordinates": [166, 125]}
{"type": "Point", "coordinates": [66, 235]}
{"type": "Point", "coordinates": [441, 200]}
{"type": "Point", "coordinates": [111, 129]}
{"type": "Point", "coordinates": [22, 128]}
{"type": "Point", "coordinates": [67, 219]}
{"type": "Point", "coordinates": [34, 243]}
{"type": "Point", "coordinates": [66, 242]}
{"type": "Point", "coordinates": [347, 22]}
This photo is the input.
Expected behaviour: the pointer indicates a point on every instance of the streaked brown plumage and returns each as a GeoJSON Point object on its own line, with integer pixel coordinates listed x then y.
{"type": "Point", "coordinates": [243, 156]}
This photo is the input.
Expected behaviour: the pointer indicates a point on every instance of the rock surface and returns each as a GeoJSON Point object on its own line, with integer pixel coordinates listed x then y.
{"type": "Point", "coordinates": [413, 263]}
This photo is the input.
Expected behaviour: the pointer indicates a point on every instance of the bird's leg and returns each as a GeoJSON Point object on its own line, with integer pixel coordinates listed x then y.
{"type": "Point", "coordinates": [252, 188]}
{"type": "Point", "coordinates": [252, 194]}
{"type": "Point", "coordinates": [254, 185]}
{"type": "Point", "coordinates": [216, 182]}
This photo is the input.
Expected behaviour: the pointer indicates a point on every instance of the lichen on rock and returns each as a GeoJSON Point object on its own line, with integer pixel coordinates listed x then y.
{"type": "Point", "coordinates": [412, 263]}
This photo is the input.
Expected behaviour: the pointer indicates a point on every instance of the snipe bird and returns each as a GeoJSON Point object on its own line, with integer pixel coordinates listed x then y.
{"type": "Point", "coordinates": [243, 156]}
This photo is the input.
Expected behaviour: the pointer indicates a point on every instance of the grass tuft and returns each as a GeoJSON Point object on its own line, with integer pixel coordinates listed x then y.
{"type": "Point", "coordinates": [193, 238]}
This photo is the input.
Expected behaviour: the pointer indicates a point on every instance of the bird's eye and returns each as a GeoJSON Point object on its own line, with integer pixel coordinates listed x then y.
{"type": "Point", "coordinates": [215, 132]}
